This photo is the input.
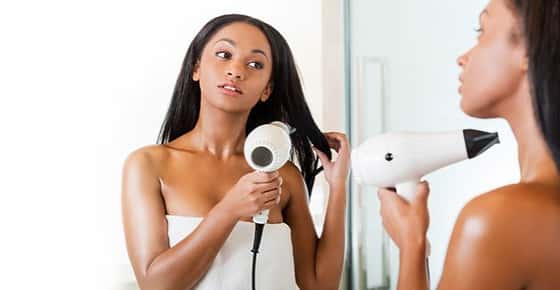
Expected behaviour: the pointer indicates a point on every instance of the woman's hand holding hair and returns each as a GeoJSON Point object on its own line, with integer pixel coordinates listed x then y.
{"type": "Point", "coordinates": [336, 172]}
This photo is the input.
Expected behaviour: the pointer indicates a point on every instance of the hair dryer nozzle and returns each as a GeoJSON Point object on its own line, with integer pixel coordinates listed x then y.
{"type": "Point", "coordinates": [267, 147]}
{"type": "Point", "coordinates": [479, 141]}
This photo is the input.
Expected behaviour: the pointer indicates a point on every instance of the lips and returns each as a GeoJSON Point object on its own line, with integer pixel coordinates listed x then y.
{"type": "Point", "coordinates": [231, 88]}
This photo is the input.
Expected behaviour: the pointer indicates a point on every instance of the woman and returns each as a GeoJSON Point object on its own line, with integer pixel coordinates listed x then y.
{"type": "Point", "coordinates": [188, 200]}
{"type": "Point", "coordinates": [508, 238]}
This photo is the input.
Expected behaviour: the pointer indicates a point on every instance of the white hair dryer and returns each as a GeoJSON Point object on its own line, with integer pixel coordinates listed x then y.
{"type": "Point", "coordinates": [400, 160]}
{"type": "Point", "coordinates": [267, 148]}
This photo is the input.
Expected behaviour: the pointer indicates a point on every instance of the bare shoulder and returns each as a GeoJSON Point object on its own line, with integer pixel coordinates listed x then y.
{"type": "Point", "coordinates": [512, 218]}
{"type": "Point", "coordinates": [147, 157]}
{"type": "Point", "coordinates": [142, 171]}
{"type": "Point", "coordinates": [293, 179]}
{"type": "Point", "coordinates": [290, 171]}
{"type": "Point", "coordinates": [506, 232]}
{"type": "Point", "coordinates": [515, 202]}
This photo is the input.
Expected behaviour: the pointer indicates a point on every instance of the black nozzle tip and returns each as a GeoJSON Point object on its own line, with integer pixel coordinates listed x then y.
{"type": "Point", "coordinates": [479, 141]}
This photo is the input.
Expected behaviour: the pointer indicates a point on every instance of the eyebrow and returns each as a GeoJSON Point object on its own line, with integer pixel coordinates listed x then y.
{"type": "Point", "coordinates": [232, 43]}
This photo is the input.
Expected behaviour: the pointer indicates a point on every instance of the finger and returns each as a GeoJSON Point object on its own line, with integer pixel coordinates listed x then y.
{"type": "Point", "coordinates": [269, 204]}
{"type": "Point", "coordinates": [279, 195]}
{"type": "Point", "coordinates": [264, 177]}
{"type": "Point", "coordinates": [333, 133]}
{"type": "Point", "coordinates": [269, 200]}
{"type": "Point", "coordinates": [271, 195]}
{"type": "Point", "coordinates": [322, 157]}
{"type": "Point", "coordinates": [387, 200]}
{"type": "Point", "coordinates": [338, 140]}
{"type": "Point", "coordinates": [333, 143]}
{"type": "Point", "coordinates": [388, 197]}
{"type": "Point", "coordinates": [266, 187]}
{"type": "Point", "coordinates": [422, 193]}
{"type": "Point", "coordinates": [337, 137]}
{"type": "Point", "coordinates": [383, 192]}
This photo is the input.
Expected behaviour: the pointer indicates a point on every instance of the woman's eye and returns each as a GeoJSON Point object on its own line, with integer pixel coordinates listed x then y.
{"type": "Point", "coordinates": [223, 54]}
{"type": "Point", "coordinates": [256, 64]}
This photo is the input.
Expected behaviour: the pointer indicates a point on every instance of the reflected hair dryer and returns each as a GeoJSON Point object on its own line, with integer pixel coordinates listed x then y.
{"type": "Point", "coordinates": [400, 160]}
{"type": "Point", "coordinates": [267, 148]}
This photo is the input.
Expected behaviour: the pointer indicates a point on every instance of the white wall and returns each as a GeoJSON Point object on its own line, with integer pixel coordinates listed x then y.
{"type": "Point", "coordinates": [46, 156]}
{"type": "Point", "coordinates": [419, 42]}
{"type": "Point", "coordinates": [83, 84]}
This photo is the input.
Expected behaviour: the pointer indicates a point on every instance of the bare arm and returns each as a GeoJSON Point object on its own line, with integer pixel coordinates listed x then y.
{"type": "Point", "coordinates": [490, 247]}
{"type": "Point", "coordinates": [319, 262]}
{"type": "Point", "coordinates": [158, 266]}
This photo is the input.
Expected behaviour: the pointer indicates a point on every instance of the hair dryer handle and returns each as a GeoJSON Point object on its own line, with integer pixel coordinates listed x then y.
{"type": "Point", "coordinates": [408, 190]}
{"type": "Point", "coordinates": [261, 217]}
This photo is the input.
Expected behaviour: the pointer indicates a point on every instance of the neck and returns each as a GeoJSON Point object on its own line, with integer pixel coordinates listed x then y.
{"type": "Point", "coordinates": [220, 133]}
{"type": "Point", "coordinates": [535, 159]}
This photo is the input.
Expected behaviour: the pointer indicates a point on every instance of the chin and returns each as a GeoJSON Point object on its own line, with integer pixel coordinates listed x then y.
{"type": "Point", "coordinates": [233, 109]}
{"type": "Point", "coordinates": [230, 106]}
{"type": "Point", "coordinates": [476, 110]}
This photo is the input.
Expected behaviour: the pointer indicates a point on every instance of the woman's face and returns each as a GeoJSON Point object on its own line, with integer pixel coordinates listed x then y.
{"type": "Point", "coordinates": [235, 68]}
{"type": "Point", "coordinates": [494, 69]}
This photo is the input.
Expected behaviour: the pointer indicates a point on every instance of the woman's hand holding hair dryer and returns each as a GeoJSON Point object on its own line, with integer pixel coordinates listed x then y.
{"type": "Point", "coordinates": [406, 221]}
{"type": "Point", "coordinates": [254, 192]}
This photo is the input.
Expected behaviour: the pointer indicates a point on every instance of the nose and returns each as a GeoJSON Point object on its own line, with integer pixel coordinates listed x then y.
{"type": "Point", "coordinates": [235, 72]}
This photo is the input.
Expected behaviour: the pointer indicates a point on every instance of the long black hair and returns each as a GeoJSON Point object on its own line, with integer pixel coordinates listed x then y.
{"type": "Point", "coordinates": [286, 103]}
{"type": "Point", "coordinates": [540, 25]}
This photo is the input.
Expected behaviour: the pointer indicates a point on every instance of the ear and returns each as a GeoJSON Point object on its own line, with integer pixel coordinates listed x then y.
{"type": "Point", "coordinates": [267, 91]}
{"type": "Point", "coordinates": [196, 71]}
